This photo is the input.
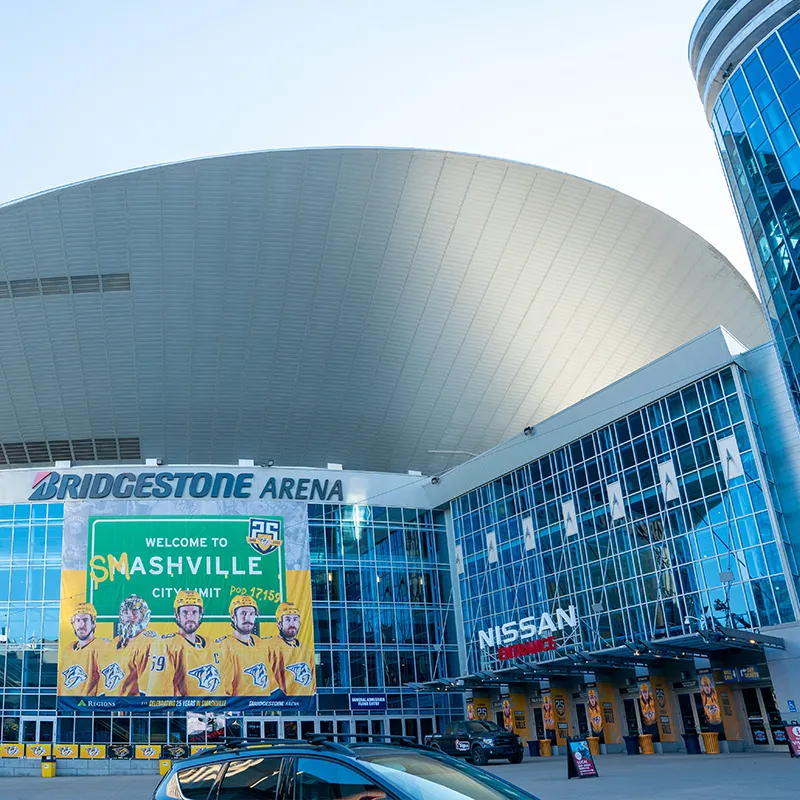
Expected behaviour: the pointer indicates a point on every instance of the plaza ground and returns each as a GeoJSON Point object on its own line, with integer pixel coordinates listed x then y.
{"type": "Point", "coordinates": [667, 777]}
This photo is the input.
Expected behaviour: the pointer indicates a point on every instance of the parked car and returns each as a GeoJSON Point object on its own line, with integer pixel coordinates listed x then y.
{"type": "Point", "coordinates": [319, 769]}
{"type": "Point", "coordinates": [479, 740]}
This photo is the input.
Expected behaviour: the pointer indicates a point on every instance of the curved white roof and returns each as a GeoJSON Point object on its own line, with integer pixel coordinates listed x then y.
{"type": "Point", "coordinates": [360, 306]}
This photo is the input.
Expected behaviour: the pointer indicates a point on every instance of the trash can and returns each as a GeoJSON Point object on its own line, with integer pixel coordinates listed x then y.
{"type": "Point", "coordinates": [711, 742]}
{"type": "Point", "coordinates": [164, 765]}
{"type": "Point", "coordinates": [692, 743]}
{"type": "Point", "coordinates": [594, 745]}
{"type": "Point", "coordinates": [632, 745]}
{"type": "Point", "coordinates": [48, 766]}
{"type": "Point", "coordinates": [646, 743]}
{"type": "Point", "coordinates": [533, 747]}
{"type": "Point", "coordinates": [545, 748]}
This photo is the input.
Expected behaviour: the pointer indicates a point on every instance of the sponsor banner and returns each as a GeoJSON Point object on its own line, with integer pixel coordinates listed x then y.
{"type": "Point", "coordinates": [119, 751]}
{"type": "Point", "coordinates": [11, 751]}
{"type": "Point", "coordinates": [199, 610]}
{"type": "Point", "coordinates": [93, 751]}
{"type": "Point", "coordinates": [38, 750]}
{"type": "Point", "coordinates": [147, 751]}
{"type": "Point", "coordinates": [594, 711]}
{"type": "Point", "coordinates": [198, 748]}
{"type": "Point", "coordinates": [368, 702]}
{"type": "Point", "coordinates": [174, 751]}
{"type": "Point", "coordinates": [708, 695]}
{"type": "Point", "coordinates": [65, 750]}
{"type": "Point", "coordinates": [647, 707]}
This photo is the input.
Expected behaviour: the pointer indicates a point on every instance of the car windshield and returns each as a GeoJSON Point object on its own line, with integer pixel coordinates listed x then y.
{"type": "Point", "coordinates": [429, 777]}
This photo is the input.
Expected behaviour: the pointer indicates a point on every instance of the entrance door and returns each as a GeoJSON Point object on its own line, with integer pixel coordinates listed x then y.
{"type": "Point", "coordinates": [688, 714]}
{"type": "Point", "coordinates": [583, 720]}
{"type": "Point", "coordinates": [36, 730]}
{"type": "Point", "coordinates": [632, 718]}
{"type": "Point", "coordinates": [763, 716]}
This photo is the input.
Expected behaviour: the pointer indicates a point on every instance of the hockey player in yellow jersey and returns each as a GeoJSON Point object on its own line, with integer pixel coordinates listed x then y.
{"type": "Point", "coordinates": [291, 660]}
{"type": "Point", "coordinates": [245, 664]}
{"type": "Point", "coordinates": [123, 669]}
{"type": "Point", "coordinates": [79, 670]}
{"type": "Point", "coordinates": [184, 664]}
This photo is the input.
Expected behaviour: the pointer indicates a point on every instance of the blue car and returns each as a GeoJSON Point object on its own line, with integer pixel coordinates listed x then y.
{"type": "Point", "coordinates": [320, 769]}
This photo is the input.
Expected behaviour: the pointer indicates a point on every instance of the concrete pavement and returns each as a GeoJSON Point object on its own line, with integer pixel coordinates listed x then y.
{"type": "Point", "coordinates": [666, 777]}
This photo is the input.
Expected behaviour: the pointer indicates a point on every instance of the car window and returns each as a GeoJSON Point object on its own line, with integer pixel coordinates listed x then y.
{"type": "Point", "coordinates": [476, 727]}
{"type": "Point", "coordinates": [196, 782]}
{"type": "Point", "coordinates": [451, 729]}
{"type": "Point", "coordinates": [320, 779]}
{"type": "Point", "coordinates": [425, 777]}
{"type": "Point", "coordinates": [251, 779]}
{"type": "Point", "coordinates": [492, 726]}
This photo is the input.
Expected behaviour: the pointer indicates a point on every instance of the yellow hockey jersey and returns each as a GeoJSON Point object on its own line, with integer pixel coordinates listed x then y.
{"type": "Point", "coordinates": [123, 665]}
{"type": "Point", "coordinates": [79, 670]}
{"type": "Point", "coordinates": [292, 665]}
{"type": "Point", "coordinates": [179, 668]}
{"type": "Point", "coordinates": [245, 668]}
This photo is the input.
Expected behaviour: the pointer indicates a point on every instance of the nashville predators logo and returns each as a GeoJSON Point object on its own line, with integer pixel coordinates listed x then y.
{"type": "Point", "coordinates": [561, 707]}
{"type": "Point", "coordinates": [13, 750]}
{"type": "Point", "coordinates": [74, 676]}
{"type": "Point", "coordinates": [113, 674]}
{"type": "Point", "coordinates": [121, 751]}
{"type": "Point", "coordinates": [148, 752]}
{"type": "Point", "coordinates": [65, 750]}
{"type": "Point", "coordinates": [258, 672]}
{"type": "Point", "coordinates": [301, 672]}
{"type": "Point", "coordinates": [264, 535]}
{"type": "Point", "coordinates": [92, 752]}
{"type": "Point", "coordinates": [39, 750]}
{"type": "Point", "coordinates": [207, 677]}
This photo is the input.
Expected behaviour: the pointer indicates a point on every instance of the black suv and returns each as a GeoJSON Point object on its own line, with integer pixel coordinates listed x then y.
{"type": "Point", "coordinates": [479, 740]}
{"type": "Point", "coordinates": [320, 769]}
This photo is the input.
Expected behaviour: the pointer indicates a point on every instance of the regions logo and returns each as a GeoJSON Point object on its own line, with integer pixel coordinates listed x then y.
{"type": "Point", "coordinates": [264, 535]}
{"type": "Point", "coordinates": [207, 677]}
{"type": "Point", "coordinates": [302, 673]}
{"type": "Point", "coordinates": [113, 674]}
{"type": "Point", "coordinates": [74, 676]}
{"type": "Point", "coordinates": [258, 672]}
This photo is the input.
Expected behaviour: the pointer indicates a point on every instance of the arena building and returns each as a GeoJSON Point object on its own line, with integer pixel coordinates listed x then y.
{"type": "Point", "coordinates": [361, 440]}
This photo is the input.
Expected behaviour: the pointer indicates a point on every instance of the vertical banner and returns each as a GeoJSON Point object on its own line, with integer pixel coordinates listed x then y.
{"type": "Point", "coordinates": [594, 711]}
{"type": "Point", "coordinates": [561, 707]}
{"type": "Point", "coordinates": [608, 700]}
{"type": "Point", "coordinates": [508, 721]}
{"type": "Point", "coordinates": [666, 725]}
{"type": "Point", "coordinates": [519, 718]}
{"type": "Point", "coordinates": [548, 717]}
{"type": "Point", "coordinates": [481, 708]}
{"type": "Point", "coordinates": [711, 705]}
{"type": "Point", "coordinates": [205, 605]}
{"type": "Point", "coordinates": [647, 706]}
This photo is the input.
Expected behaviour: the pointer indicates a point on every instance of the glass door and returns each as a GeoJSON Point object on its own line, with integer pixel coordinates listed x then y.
{"type": "Point", "coordinates": [756, 717]}
{"type": "Point", "coordinates": [632, 716]}
{"type": "Point", "coordinates": [688, 714]}
{"type": "Point", "coordinates": [36, 730]}
{"type": "Point", "coordinates": [583, 720]}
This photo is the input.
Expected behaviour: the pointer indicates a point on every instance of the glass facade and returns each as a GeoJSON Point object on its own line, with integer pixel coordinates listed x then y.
{"type": "Point", "coordinates": [662, 562]}
{"type": "Point", "coordinates": [756, 123]}
{"type": "Point", "coordinates": [383, 617]}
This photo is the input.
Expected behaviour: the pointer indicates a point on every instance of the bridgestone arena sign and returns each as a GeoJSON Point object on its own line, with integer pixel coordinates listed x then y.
{"type": "Point", "coordinates": [163, 485]}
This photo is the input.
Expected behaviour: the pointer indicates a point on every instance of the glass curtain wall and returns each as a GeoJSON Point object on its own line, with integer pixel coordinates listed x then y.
{"type": "Point", "coordinates": [756, 122]}
{"type": "Point", "coordinates": [706, 552]}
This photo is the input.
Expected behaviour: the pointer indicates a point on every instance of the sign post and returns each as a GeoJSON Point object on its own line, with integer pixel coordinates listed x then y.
{"type": "Point", "coordinates": [580, 762]}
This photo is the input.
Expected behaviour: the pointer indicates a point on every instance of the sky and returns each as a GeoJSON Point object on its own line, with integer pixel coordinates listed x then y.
{"type": "Point", "coordinates": [599, 89]}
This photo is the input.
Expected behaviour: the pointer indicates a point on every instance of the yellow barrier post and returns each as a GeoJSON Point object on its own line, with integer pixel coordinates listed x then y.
{"type": "Point", "coordinates": [646, 743]}
{"type": "Point", "coordinates": [48, 767]}
{"type": "Point", "coordinates": [594, 745]}
{"type": "Point", "coordinates": [545, 748]}
{"type": "Point", "coordinates": [711, 741]}
{"type": "Point", "coordinates": [164, 766]}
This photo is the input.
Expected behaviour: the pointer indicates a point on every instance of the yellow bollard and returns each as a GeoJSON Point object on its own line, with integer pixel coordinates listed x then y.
{"type": "Point", "coordinates": [48, 767]}
{"type": "Point", "coordinates": [164, 766]}
{"type": "Point", "coordinates": [646, 743]}
{"type": "Point", "coordinates": [711, 741]}
{"type": "Point", "coordinates": [594, 745]}
{"type": "Point", "coordinates": [545, 748]}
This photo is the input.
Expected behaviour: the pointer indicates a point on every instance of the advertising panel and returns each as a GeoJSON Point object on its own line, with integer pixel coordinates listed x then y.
{"type": "Point", "coordinates": [192, 604]}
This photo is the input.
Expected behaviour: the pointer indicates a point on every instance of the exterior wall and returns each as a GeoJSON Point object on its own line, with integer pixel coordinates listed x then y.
{"type": "Point", "coordinates": [383, 613]}
{"type": "Point", "coordinates": [756, 123]}
{"type": "Point", "coordinates": [640, 569]}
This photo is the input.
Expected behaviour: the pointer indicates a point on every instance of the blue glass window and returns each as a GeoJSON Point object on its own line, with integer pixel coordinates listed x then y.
{"type": "Point", "coordinates": [754, 70]}
{"type": "Point", "coordinates": [790, 33]}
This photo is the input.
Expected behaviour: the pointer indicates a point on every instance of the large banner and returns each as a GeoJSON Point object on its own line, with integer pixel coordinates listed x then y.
{"type": "Point", "coordinates": [201, 605]}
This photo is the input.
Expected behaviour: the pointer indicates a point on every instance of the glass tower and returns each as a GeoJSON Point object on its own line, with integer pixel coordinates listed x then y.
{"type": "Point", "coordinates": [746, 60]}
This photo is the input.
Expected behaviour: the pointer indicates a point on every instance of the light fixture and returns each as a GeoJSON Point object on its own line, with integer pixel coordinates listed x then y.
{"type": "Point", "coordinates": [270, 463]}
{"type": "Point", "coordinates": [528, 430]}
{"type": "Point", "coordinates": [435, 480]}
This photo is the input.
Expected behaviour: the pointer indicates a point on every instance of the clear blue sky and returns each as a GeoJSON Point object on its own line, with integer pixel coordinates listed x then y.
{"type": "Point", "coordinates": [599, 89]}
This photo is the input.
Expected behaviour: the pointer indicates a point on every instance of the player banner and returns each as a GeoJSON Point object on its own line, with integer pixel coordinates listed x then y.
{"type": "Point", "coordinates": [202, 605]}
